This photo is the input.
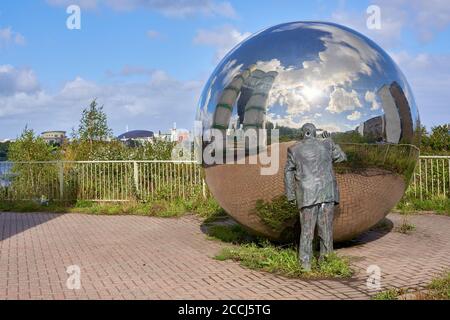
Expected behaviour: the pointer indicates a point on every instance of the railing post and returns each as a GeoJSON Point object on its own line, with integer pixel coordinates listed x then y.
{"type": "Point", "coordinates": [204, 189]}
{"type": "Point", "coordinates": [136, 175]}
{"type": "Point", "coordinates": [61, 180]}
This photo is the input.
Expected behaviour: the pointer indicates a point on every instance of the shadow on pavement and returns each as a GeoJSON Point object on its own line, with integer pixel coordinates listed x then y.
{"type": "Point", "coordinates": [12, 223]}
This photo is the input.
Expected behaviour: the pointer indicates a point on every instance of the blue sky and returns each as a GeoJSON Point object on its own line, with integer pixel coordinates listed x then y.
{"type": "Point", "coordinates": [147, 60]}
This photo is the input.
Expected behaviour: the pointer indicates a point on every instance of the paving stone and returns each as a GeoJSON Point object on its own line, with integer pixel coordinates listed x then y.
{"type": "Point", "coordinates": [134, 257]}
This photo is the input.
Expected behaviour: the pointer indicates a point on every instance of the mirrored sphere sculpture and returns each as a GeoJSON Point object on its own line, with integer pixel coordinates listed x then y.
{"type": "Point", "coordinates": [290, 74]}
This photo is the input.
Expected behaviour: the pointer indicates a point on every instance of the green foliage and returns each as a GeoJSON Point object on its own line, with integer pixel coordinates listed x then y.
{"type": "Point", "coordinates": [400, 159]}
{"type": "Point", "coordinates": [284, 261]}
{"type": "Point", "coordinates": [277, 212]}
{"type": "Point", "coordinates": [81, 150]}
{"type": "Point", "coordinates": [406, 227]}
{"type": "Point", "coordinates": [438, 204]}
{"type": "Point", "coordinates": [437, 142]}
{"type": "Point", "coordinates": [206, 208]}
{"type": "Point", "coordinates": [84, 204]}
{"type": "Point", "coordinates": [351, 137]}
{"type": "Point", "coordinates": [156, 150]}
{"type": "Point", "coordinates": [30, 147]}
{"type": "Point", "coordinates": [93, 124]}
{"type": "Point", "coordinates": [391, 294]}
{"type": "Point", "coordinates": [159, 207]}
{"type": "Point", "coordinates": [439, 289]}
{"type": "Point", "coordinates": [32, 206]}
{"type": "Point", "coordinates": [33, 180]}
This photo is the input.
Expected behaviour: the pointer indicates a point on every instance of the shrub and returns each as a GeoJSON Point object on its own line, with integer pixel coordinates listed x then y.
{"type": "Point", "coordinates": [276, 212]}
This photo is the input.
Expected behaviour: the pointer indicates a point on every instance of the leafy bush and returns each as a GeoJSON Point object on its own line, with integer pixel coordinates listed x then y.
{"type": "Point", "coordinates": [276, 212]}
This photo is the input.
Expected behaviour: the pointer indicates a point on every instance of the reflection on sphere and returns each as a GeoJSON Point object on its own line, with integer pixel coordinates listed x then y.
{"type": "Point", "coordinates": [321, 73]}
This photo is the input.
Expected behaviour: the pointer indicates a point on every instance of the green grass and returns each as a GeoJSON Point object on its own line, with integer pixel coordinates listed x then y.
{"type": "Point", "coordinates": [439, 289]}
{"type": "Point", "coordinates": [440, 205]}
{"type": "Point", "coordinates": [284, 261]}
{"type": "Point", "coordinates": [32, 206]}
{"type": "Point", "coordinates": [390, 294]}
{"type": "Point", "coordinates": [406, 227]}
{"type": "Point", "coordinates": [158, 208]}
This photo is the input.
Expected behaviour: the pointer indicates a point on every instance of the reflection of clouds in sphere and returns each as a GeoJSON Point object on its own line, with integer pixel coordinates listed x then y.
{"type": "Point", "coordinates": [320, 68]}
{"type": "Point", "coordinates": [319, 73]}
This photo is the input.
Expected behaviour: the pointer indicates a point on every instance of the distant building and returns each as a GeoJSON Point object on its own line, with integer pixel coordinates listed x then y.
{"type": "Point", "coordinates": [396, 125]}
{"type": "Point", "coordinates": [183, 136]}
{"type": "Point", "coordinates": [54, 137]}
{"type": "Point", "coordinates": [7, 140]}
{"type": "Point", "coordinates": [398, 122]}
{"type": "Point", "coordinates": [373, 128]}
{"type": "Point", "coordinates": [137, 135]}
{"type": "Point", "coordinates": [163, 136]}
{"type": "Point", "coordinates": [404, 112]}
{"type": "Point", "coordinates": [179, 135]}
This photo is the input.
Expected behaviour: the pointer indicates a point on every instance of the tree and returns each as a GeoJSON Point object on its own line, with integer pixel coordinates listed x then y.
{"type": "Point", "coordinates": [32, 179]}
{"type": "Point", "coordinates": [436, 142]}
{"type": "Point", "coordinates": [440, 138]}
{"type": "Point", "coordinates": [93, 124]}
{"type": "Point", "coordinates": [30, 147]}
{"type": "Point", "coordinates": [156, 150]}
{"type": "Point", "coordinates": [424, 138]}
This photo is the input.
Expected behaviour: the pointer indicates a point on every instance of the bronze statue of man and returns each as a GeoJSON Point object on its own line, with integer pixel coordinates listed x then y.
{"type": "Point", "coordinates": [310, 179]}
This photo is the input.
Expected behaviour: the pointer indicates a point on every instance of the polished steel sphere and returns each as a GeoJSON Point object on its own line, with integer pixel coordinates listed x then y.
{"type": "Point", "coordinates": [275, 81]}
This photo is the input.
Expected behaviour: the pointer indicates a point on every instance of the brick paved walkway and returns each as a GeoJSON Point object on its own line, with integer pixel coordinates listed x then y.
{"type": "Point", "coordinates": [132, 257]}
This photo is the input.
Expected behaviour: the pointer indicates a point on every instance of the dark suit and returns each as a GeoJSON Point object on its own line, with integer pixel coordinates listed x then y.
{"type": "Point", "coordinates": [310, 179]}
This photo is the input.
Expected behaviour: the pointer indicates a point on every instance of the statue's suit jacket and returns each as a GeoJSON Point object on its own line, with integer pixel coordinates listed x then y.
{"type": "Point", "coordinates": [309, 175]}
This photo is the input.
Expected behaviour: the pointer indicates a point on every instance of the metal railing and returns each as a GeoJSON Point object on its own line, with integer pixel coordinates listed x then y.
{"type": "Point", "coordinates": [100, 180]}
{"type": "Point", "coordinates": [148, 180]}
{"type": "Point", "coordinates": [431, 178]}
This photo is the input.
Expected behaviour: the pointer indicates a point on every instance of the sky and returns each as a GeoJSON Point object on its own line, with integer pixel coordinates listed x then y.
{"type": "Point", "coordinates": [147, 61]}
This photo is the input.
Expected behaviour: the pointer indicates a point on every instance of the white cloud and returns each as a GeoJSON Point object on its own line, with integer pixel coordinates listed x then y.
{"type": "Point", "coordinates": [223, 39]}
{"type": "Point", "coordinates": [341, 100]}
{"type": "Point", "coordinates": [371, 97]}
{"type": "Point", "coordinates": [355, 115]}
{"type": "Point", "coordinates": [320, 83]}
{"type": "Point", "coordinates": [17, 80]}
{"type": "Point", "coordinates": [429, 77]}
{"type": "Point", "coordinates": [79, 89]}
{"type": "Point", "coordinates": [423, 18]}
{"type": "Point", "coordinates": [174, 8]}
{"type": "Point", "coordinates": [152, 104]}
{"type": "Point", "coordinates": [327, 77]}
{"type": "Point", "coordinates": [8, 37]}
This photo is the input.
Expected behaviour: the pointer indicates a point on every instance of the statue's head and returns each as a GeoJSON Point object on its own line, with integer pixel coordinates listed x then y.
{"type": "Point", "coordinates": [308, 131]}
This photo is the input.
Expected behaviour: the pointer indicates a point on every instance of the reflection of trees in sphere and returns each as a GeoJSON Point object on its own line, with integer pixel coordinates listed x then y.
{"type": "Point", "coordinates": [321, 73]}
